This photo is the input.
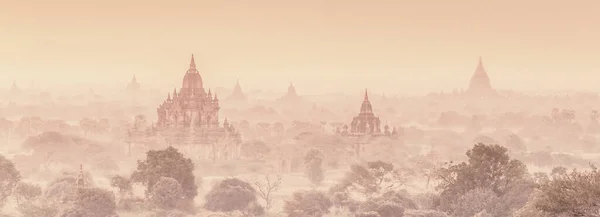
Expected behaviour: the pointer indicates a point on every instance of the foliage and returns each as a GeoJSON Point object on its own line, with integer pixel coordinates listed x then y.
{"type": "Point", "coordinates": [26, 191]}
{"type": "Point", "coordinates": [313, 161]}
{"type": "Point", "coordinates": [368, 214]}
{"type": "Point", "coordinates": [529, 209]}
{"type": "Point", "coordinates": [574, 194]}
{"type": "Point", "coordinates": [166, 163]}
{"type": "Point", "coordinates": [307, 204]}
{"type": "Point", "coordinates": [390, 204]}
{"type": "Point", "coordinates": [424, 213]}
{"type": "Point", "coordinates": [9, 178]}
{"type": "Point", "coordinates": [488, 167]}
{"type": "Point", "coordinates": [95, 202]}
{"type": "Point", "coordinates": [123, 184]}
{"type": "Point", "coordinates": [474, 202]}
{"type": "Point", "coordinates": [230, 195]}
{"type": "Point", "coordinates": [166, 194]}
{"type": "Point", "coordinates": [372, 178]}
{"type": "Point", "coordinates": [37, 208]}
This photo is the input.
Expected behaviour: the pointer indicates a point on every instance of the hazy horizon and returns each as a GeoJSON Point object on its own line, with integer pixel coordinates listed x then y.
{"type": "Point", "coordinates": [320, 46]}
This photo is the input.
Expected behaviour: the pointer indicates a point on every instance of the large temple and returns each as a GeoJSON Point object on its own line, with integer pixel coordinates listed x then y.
{"type": "Point", "coordinates": [191, 117]}
{"type": "Point", "coordinates": [366, 124]}
{"type": "Point", "coordinates": [480, 84]}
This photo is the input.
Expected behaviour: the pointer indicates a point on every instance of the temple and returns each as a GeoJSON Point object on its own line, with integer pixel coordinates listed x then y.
{"type": "Point", "coordinates": [133, 86]}
{"type": "Point", "coordinates": [366, 123]}
{"type": "Point", "coordinates": [291, 95]}
{"type": "Point", "coordinates": [480, 84]}
{"type": "Point", "coordinates": [237, 93]}
{"type": "Point", "coordinates": [14, 89]}
{"type": "Point", "coordinates": [191, 117]}
{"type": "Point", "coordinates": [79, 184]}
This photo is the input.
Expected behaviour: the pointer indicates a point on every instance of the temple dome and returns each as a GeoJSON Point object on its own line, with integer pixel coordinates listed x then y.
{"type": "Point", "coordinates": [192, 79]}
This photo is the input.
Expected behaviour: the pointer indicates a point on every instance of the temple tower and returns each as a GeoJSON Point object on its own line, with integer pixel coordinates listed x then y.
{"type": "Point", "coordinates": [480, 82]}
{"type": "Point", "coordinates": [237, 93]}
{"type": "Point", "coordinates": [133, 86]}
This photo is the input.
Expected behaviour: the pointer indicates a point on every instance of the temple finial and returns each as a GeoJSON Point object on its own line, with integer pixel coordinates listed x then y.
{"type": "Point", "coordinates": [192, 63]}
{"type": "Point", "coordinates": [366, 95]}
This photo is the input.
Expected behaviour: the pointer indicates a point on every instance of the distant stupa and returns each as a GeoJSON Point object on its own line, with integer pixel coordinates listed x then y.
{"type": "Point", "coordinates": [291, 95]}
{"type": "Point", "coordinates": [237, 93]}
{"type": "Point", "coordinates": [480, 84]}
{"type": "Point", "coordinates": [14, 89]}
{"type": "Point", "coordinates": [133, 86]}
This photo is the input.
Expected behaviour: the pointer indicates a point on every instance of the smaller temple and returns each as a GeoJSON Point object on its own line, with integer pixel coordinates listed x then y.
{"type": "Point", "coordinates": [133, 86]}
{"type": "Point", "coordinates": [14, 89]}
{"type": "Point", "coordinates": [237, 93]}
{"type": "Point", "coordinates": [79, 184]}
{"type": "Point", "coordinates": [480, 85]}
{"type": "Point", "coordinates": [367, 124]}
{"type": "Point", "coordinates": [291, 95]}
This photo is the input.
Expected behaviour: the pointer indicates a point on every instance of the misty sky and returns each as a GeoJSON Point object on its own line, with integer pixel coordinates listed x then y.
{"type": "Point", "coordinates": [320, 45]}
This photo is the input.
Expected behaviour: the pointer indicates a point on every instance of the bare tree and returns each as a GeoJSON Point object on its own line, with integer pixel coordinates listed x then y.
{"type": "Point", "coordinates": [267, 187]}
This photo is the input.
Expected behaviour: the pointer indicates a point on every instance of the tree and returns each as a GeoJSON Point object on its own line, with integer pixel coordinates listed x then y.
{"type": "Point", "coordinates": [166, 163]}
{"type": "Point", "coordinates": [390, 204]}
{"type": "Point", "coordinates": [307, 203]}
{"type": "Point", "coordinates": [371, 179]}
{"type": "Point", "coordinates": [574, 194]}
{"type": "Point", "coordinates": [313, 161]}
{"type": "Point", "coordinates": [166, 193]}
{"type": "Point", "coordinates": [488, 167]}
{"type": "Point", "coordinates": [473, 202]}
{"type": "Point", "coordinates": [230, 195]}
{"type": "Point", "coordinates": [6, 127]}
{"type": "Point", "coordinates": [9, 178]}
{"type": "Point", "coordinates": [38, 208]}
{"type": "Point", "coordinates": [26, 192]}
{"type": "Point", "coordinates": [266, 188]}
{"type": "Point", "coordinates": [123, 184]}
{"type": "Point", "coordinates": [88, 125]}
{"type": "Point", "coordinates": [95, 202]}
{"type": "Point", "coordinates": [140, 123]}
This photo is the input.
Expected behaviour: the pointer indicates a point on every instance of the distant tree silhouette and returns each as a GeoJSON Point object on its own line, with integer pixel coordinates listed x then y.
{"type": "Point", "coordinates": [371, 179]}
{"type": "Point", "coordinates": [313, 161]}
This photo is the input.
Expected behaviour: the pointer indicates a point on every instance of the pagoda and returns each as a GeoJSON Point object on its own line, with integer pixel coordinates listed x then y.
{"type": "Point", "coordinates": [14, 89]}
{"type": "Point", "coordinates": [133, 86]}
{"type": "Point", "coordinates": [237, 93]}
{"type": "Point", "coordinates": [367, 124]}
{"type": "Point", "coordinates": [291, 95]}
{"type": "Point", "coordinates": [191, 117]}
{"type": "Point", "coordinates": [480, 85]}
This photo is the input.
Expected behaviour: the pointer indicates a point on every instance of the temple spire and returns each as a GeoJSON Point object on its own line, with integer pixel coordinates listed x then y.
{"type": "Point", "coordinates": [366, 95]}
{"type": "Point", "coordinates": [192, 64]}
{"type": "Point", "coordinates": [480, 65]}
